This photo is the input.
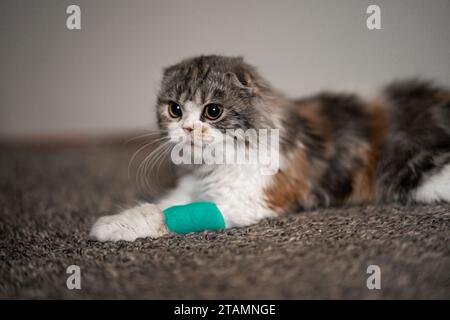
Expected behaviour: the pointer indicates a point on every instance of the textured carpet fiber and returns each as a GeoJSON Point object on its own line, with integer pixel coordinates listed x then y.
{"type": "Point", "coordinates": [50, 197]}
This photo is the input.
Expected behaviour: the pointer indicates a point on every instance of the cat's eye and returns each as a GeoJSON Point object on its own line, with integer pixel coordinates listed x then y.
{"type": "Point", "coordinates": [175, 110]}
{"type": "Point", "coordinates": [212, 111]}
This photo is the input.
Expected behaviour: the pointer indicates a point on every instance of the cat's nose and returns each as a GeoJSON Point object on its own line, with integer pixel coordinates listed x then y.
{"type": "Point", "coordinates": [188, 129]}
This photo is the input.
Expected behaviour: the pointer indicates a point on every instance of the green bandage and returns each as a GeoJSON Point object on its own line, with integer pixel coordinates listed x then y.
{"type": "Point", "coordinates": [194, 217]}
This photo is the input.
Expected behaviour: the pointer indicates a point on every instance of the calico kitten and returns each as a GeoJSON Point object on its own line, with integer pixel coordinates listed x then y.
{"type": "Point", "coordinates": [335, 149]}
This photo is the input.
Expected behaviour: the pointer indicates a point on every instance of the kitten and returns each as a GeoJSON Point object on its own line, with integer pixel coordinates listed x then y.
{"type": "Point", "coordinates": [335, 149]}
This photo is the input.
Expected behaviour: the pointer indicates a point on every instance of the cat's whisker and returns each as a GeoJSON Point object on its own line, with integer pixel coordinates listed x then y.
{"type": "Point", "coordinates": [145, 135]}
{"type": "Point", "coordinates": [142, 172]}
{"type": "Point", "coordinates": [157, 162]}
{"type": "Point", "coordinates": [142, 148]}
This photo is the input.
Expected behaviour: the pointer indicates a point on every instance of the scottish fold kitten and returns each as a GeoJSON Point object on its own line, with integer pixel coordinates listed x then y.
{"type": "Point", "coordinates": [334, 149]}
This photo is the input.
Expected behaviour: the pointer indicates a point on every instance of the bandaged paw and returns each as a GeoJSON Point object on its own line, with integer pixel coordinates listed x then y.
{"type": "Point", "coordinates": [194, 217]}
{"type": "Point", "coordinates": [148, 220]}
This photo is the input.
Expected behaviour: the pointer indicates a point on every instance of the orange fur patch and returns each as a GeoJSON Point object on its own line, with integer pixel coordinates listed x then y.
{"type": "Point", "coordinates": [289, 185]}
{"type": "Point", "coordinates": [364, 182]}
{"type": "Point", "coordinates": [443, 96]}
{"type": "Point", "coordinates": [195, 72]}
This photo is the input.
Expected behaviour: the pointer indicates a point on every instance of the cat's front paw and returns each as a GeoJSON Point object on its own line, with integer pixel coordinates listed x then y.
{"type": "Point", "coordinates": [143, 221]}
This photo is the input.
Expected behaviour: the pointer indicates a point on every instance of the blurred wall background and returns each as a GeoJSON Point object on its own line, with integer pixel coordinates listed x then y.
{"type": "Point", "coordinates": [103, 78]}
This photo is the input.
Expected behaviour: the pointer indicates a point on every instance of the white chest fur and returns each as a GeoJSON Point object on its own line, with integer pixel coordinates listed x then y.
{"type": "Point", "coordinates": [236, 189]}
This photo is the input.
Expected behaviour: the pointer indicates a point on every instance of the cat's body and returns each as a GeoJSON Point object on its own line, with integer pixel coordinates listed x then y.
{"type": "Point", "coordinates": [335, 149]}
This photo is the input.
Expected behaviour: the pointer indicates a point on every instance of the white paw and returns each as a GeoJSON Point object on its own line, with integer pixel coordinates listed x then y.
{"type": "Point", "coordinates": [143, 221]}
{"type": "Point", "coordinates": [436, 188]}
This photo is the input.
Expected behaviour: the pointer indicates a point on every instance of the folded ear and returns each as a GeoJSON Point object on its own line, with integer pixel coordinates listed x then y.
{"type": "Point", "coordinates": [243, 79]}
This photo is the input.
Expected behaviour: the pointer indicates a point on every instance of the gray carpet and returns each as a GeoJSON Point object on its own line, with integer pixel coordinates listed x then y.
{"type": "Point", "coordinates": [50, 197]}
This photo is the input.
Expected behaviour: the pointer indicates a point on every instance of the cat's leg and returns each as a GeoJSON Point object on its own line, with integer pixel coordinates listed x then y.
{"type": "Point", "coordinates": [238, 214]}
{"type": "Point", "coordinates": [145, 220]}
{"type": "Point", "coordinates": [423, 177]}
{"type": "Point", "coordinates": [182, 194]}
{"type": "Point", "coordinates": [415, 161]}
{"type": "Point", "coordinates": [435, 188]}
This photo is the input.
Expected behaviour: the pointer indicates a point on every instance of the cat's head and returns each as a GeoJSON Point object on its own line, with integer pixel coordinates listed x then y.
{"type": "Point", "coordinates": [202, 97]}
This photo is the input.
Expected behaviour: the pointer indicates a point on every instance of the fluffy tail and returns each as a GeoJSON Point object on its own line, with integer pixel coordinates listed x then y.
{"type": "Point", "coordinates": [418, 143]}
{"type": "Point", "coordinates": [421, 103]}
